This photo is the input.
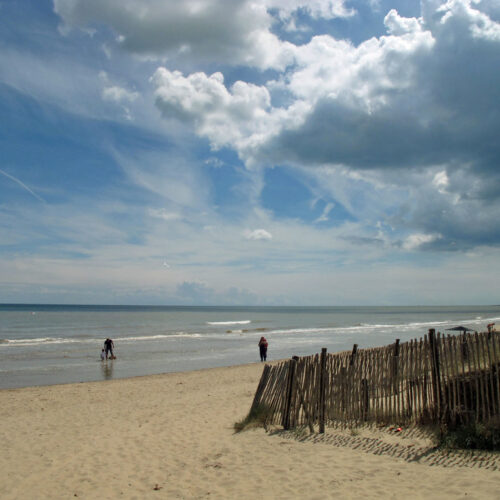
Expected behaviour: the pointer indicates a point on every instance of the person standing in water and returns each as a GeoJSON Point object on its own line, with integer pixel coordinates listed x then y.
{"type": "Point", "coordinates": [263, 348]}
{"type": "Point", "coordinates": [108, 346]}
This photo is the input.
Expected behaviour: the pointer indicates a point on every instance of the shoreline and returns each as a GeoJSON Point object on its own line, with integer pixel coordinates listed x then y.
{"type": "Point", "coordinates": [152, 375]}
{"type": "Point", "coordinates": [133, 377]}
{"type": "Point", "coordinates": [171, 436]}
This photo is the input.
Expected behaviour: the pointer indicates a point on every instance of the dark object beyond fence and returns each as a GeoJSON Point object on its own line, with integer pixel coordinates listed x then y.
{"type": "Point", "coordinates": [452, 380]}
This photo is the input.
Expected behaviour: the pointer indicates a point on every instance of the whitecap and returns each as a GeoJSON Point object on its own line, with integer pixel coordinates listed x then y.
{"type": "Point", "coordinates": [158, 337]}
{"type": "Point", "coordinates": [216, 323]}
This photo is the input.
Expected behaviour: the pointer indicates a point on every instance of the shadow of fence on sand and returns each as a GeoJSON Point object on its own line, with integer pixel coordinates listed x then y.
{"type": "Point", "coordinates": [411, 452]}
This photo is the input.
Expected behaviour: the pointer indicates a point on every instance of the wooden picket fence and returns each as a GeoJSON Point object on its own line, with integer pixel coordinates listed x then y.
{"type": "Point", "coordinates": [451, 379]}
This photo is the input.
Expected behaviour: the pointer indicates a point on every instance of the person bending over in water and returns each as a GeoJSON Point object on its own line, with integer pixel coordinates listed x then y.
{"type": "Point", "coordinates": [263, 348]}
{"type": "Point", "coordinates": [108, 346]}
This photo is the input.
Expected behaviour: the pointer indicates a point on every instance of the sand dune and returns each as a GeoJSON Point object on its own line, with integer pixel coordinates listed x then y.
{"type": "Point", "coordinates": [171, 436]}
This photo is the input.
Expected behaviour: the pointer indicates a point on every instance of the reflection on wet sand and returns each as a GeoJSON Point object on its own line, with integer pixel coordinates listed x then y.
{"type": "Point", "coordinates": [107, 369]}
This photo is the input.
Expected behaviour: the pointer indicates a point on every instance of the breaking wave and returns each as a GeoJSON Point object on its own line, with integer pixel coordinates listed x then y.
{"type": "Point", "coordinates": [218, 323]}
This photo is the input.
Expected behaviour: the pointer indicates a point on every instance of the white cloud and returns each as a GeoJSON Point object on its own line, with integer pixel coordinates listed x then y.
{"type": "Point", "coordinates": [257, 234]}
{"type": "Point", "coordinates": [415, 100]}
{"type": "Point", "coordinates": [399, 131]}
{"type": "Point", "coordinates": [24, 186]}
{"type": "Point", "coordinates": [349, 102]}
{"type": "Point", "coordinates": [479, 23]}
{"type": "Point", "coordinates": [398, 25]}
{"type": "Point", "coordinates": [362, 78]}
{"type": "Point", "coordinates": [234, 31]}
{"type": "Point", "coordinates": [161, 213]}
{"type": "Point", "coordinates": [57, 80]}
{"type": "Point", "coordinates": [324, 216]}
{"type": "Point", "coordinates": [74, 85]}
{"type": "Point", "coordinates": [173, 177]}
{"type": "Point", "coordinates": [239, 117]}
{"type": "Point", "coordinates": [118, 94]}
{"type": "Point", "coordinates": [318, 9]}
{"type": "Point", "coordinates": [210, 262]}
{"type": "Point", "coordinates": [414, 241]}
{"type": "Point", "coordinates": [441, 181]}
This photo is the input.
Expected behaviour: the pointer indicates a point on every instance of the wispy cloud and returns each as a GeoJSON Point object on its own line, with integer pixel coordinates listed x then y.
{"type": "Point", "coordinates": [23, 185]}
{"type": "Point", "coordinates": [324, 216]}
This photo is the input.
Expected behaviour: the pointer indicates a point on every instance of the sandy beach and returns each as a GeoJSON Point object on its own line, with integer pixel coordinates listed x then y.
{"type": "Point", "coordinates": [171, 436]}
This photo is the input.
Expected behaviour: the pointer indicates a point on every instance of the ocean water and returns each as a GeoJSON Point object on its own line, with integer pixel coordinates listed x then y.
{"type": "Point", "coordinates": [50, 344]}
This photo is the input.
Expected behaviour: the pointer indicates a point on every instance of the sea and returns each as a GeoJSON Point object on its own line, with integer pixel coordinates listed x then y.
{"type": "Point", "coordinates": [57, 344]}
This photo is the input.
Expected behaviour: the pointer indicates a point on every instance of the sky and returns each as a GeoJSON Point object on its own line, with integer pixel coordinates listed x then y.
{"type": "Point", "coordinates": [250, 152]}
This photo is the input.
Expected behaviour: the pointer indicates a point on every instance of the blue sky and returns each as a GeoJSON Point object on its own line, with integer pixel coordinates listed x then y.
{"type": "Point", "coordinates": [266, 152]}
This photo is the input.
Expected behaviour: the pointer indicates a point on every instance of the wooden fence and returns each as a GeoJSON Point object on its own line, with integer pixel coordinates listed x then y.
{"type": "Point", "coordinates": [437, 379]}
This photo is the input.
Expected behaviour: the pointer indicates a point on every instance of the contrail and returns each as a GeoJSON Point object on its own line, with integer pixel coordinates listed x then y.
{"type": "Point", "coordinates": [22, 185]}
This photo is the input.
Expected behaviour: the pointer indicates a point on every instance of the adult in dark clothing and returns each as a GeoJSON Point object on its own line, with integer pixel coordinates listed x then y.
{"type": "Point", "coordinates": [263, 348]}
{"type": "Point", "coordinates": [108, 346]}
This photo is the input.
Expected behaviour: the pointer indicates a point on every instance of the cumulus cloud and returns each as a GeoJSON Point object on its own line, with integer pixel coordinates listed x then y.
{"type": "Point", "coordinates": [401, 100]}
{"type": "Point", "coordinates": [238, 117]}
{"type": "Point", "coordinates": [235, 31]}
{"type": "Point", "coordinates": [334, 86]}
{"type": "Point", "coordinates": [418, 99]}
{"type": "Point", "coordinates": [398, 26]}
{"type": "Point", "coordinates": [317, 9]}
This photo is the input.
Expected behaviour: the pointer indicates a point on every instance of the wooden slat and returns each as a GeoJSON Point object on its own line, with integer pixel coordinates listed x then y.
{"type": "Point", "coordinates": [495, 365]}
{"type": "Point", "coordinates": [467, 381]}
{"type": "Point", "coordinates": [388, 385]}
{"type": "Point", "coordinates": [261, 386]}
{"type": "Point", "coordinates": [445, 375]}
{"type": "Point", "coordinates": [477, 357]}
{"type": "Point", "coordinates": [455, 400]}
{"type": "Point", "coordinates": [491, 376]}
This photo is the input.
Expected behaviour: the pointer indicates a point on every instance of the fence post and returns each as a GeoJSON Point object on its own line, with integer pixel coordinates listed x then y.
{"type": "Point", "coordinates": [395, 367]}
{"type": "Point", "coordinates": [395, 359]}
{"type": "Point", "coordinates": [365, 398]}
{"type": "Point", "coordinates": [289, 394]}
{"type": "Point", "coordinates": [261, 387]}
{"type": "Point", "coordinates": [464, 348]}
{"type": "Point", "coordinates": [353, 354]}
{"type": "Point", "coordinates": [435, 373]}
{"type": "Point", "coordinates": [322, 391]}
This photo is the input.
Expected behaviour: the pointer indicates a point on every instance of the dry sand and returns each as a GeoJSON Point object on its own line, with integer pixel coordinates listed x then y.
{"type": "Point", "coordinates": [171, 436]}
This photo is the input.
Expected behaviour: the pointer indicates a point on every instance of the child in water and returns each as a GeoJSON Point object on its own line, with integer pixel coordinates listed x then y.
{"type": "Point", "coordinates": [103, 355]}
